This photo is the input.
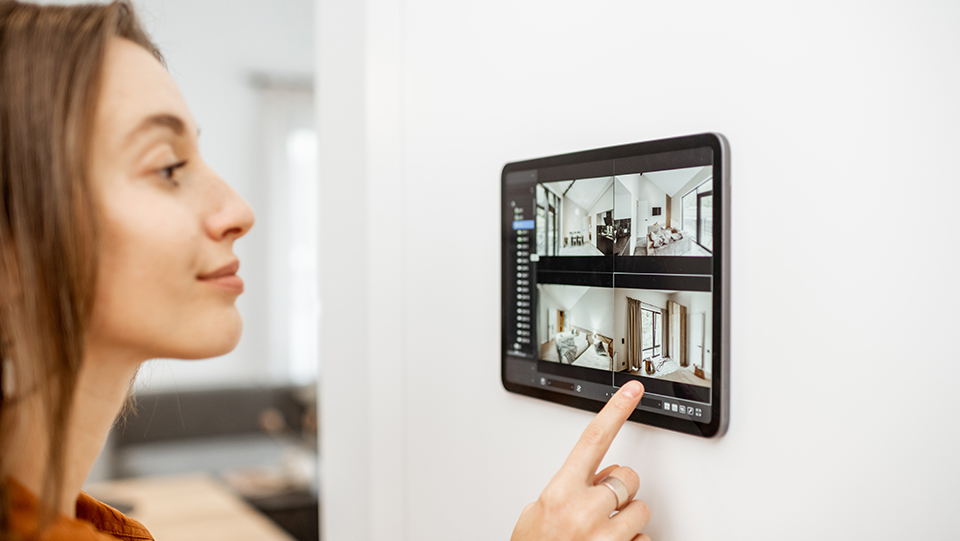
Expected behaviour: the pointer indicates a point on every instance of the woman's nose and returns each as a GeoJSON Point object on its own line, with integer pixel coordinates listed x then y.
{"type": "Point", "coordinates": [233, 217]}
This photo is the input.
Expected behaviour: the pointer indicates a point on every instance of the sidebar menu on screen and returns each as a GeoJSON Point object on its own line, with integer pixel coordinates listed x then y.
{"type": "Point", "coordinates": [521, 249]}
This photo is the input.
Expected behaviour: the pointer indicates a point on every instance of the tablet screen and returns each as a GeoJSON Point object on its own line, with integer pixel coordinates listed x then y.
{"type": "Point", "coordinates": [612, 272]}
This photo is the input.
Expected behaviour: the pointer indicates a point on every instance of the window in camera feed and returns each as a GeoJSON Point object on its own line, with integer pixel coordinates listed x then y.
{"type": "Point", "coordinates": [664, 213]}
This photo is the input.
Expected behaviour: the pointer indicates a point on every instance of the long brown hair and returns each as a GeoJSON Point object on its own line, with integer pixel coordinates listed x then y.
{"type": "Point", "coordinates": [51, 59]}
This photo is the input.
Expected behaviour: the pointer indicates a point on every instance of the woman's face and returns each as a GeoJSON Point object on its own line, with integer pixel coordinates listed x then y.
{"type": "Point", "coordinates": [167, 279]}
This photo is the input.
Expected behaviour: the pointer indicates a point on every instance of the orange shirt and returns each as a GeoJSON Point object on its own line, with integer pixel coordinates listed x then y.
{"type": "Point", "coordinates": [95, 521]}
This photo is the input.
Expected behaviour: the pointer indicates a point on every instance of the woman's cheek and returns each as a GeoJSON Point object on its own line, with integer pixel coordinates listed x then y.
{"type": "Point", "coordinates": [148, 262]}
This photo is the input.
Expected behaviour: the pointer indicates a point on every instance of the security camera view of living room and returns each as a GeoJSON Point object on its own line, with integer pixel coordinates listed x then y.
{"type": "Point", "coordinates": [657, 334]}
{"type": "Point", "coordinates": [664, 213]}
{"type": "Point", "coordinates": [575, 217]}
{"type": "Point", "coordinates": [663, 334]}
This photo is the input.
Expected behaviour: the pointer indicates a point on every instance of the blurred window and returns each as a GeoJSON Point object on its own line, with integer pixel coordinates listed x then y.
{"type": "Point", "coordinates": [292, 147]}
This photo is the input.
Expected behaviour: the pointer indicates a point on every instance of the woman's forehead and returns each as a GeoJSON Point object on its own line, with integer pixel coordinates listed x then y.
{"type": "Point", "coordinates": [137, 91]}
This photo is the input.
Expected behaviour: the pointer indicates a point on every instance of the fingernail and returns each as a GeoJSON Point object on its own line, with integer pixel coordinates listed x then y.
{"type": "Point", "coordinates": [632, 389]}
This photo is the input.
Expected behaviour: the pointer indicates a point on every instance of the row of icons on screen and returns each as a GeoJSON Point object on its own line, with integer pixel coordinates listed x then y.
{"type": "Point", "coordinates": [680, 408]}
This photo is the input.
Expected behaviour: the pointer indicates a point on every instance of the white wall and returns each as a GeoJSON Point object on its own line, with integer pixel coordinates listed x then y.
{"type": "Point", "coordinates": [572, 217]}
{"type": "Point", "coordinates": [604, 204]}
{"type": "Point", "coordinates": [623, 201]}
{"type": "Point", "coordinates": [593, 312]}
{"type": "Point", "coordinates": [827, 106]}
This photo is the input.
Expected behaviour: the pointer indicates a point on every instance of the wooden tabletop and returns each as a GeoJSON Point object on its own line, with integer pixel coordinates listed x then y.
{"type": "Point", "coordinates": [187, 508]}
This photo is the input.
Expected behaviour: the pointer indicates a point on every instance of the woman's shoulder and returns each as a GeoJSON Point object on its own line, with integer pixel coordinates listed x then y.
{"type": "Point", "coordinates": [108, 520]}
{"type": "Point", "coordinates": [96, 521]}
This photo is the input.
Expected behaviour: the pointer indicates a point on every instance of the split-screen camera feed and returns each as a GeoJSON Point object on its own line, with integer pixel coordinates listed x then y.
{"type": "Point", "coordinates": [613, 272]}
{"type": "Point", "coordinates": [658, 213]}
{"type": "Point", "coordinates": [650, 333]}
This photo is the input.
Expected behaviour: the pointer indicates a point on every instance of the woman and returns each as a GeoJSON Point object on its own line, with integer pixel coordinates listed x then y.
{"type": "Point", "coordinates": [116, 246]}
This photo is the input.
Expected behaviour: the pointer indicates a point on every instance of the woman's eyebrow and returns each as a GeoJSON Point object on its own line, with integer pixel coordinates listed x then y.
{"type": "Point", "coordinates": [163, 120]}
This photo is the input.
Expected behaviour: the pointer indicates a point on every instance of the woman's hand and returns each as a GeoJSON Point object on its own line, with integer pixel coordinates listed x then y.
{"type": "Point", "coordinates": [575, 505]}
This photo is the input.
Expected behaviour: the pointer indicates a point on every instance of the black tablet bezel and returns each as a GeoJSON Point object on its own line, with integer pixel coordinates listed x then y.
{"type": "Point", "coordinates": [719, 419]}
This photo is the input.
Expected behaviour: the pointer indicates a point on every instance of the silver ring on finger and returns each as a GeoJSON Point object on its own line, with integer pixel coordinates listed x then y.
{"type": "Point", "coordinates": [619, 490]}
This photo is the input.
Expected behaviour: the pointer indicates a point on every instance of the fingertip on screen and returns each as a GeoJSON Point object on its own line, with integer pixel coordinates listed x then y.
{"type": "Point", "coordinates": [632, 389]}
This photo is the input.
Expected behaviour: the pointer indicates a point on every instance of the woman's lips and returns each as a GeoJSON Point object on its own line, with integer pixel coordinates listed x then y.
{"type": "Point", "coordinates": [225, 278]}
{"type": "Point", "coordinates": [231, 282]}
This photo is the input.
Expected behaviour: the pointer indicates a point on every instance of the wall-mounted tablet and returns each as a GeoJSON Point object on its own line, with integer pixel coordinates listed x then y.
{"type": "Point", "coordinates": [616, 267]}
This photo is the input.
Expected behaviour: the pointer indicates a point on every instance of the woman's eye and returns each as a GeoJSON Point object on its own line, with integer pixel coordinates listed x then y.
{"type": "Point", "coordinates": [168, 172]}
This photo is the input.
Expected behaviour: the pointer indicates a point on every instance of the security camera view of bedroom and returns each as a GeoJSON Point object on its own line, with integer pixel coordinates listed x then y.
{"type": "Point", "coordinates": [657, 213]}
{"type": "Point", "coordinates": [658, 334]}
{"type": "Point", "coordinates": [575, 325]}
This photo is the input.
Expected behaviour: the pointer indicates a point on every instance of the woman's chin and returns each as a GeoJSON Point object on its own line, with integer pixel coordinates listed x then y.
{"type": "Point", "coordinates": [208, 351]}
{"type": "Point", "coordinates": [209, 343]}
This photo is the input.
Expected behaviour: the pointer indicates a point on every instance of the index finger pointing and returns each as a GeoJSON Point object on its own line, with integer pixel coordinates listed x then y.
{"type": "Point", "coordinates": [596, 439]}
